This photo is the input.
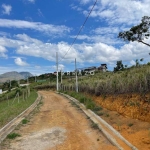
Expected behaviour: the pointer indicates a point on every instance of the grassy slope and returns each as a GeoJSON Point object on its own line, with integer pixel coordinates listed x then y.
{"type": "Point", "coordinates": [8, 112]}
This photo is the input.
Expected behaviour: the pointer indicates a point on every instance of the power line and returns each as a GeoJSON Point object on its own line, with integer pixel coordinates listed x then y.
{"type": "Point", "coordinates": [80, 30]}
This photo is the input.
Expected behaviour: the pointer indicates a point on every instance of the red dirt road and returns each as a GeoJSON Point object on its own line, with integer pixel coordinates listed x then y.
{"type": "Point", "coordinates": [58, 125]}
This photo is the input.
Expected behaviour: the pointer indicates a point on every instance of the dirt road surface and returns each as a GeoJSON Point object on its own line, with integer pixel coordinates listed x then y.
{"type": "Point", "coordinates": [58, 125]}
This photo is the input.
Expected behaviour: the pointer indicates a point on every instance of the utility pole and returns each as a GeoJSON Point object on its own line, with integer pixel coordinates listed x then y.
{"type": "Point", "coordinates": [27, 80]}
{"type": "Point", "coordinates": [10, 83]}
{"type": "Point", "coordinates": [76, 77]}
{"type": "Point", "coordinates": [57, 69]}
{"type": "Point", "coordinates": [18, 82]}
{"type": "Point", "coordinates": [61, 75]}
{"type": "Point", "coordinates": [35, 77]}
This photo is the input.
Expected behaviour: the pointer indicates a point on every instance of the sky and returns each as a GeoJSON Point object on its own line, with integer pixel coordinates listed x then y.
{"type": "Point", "coordinates": [33, 31]}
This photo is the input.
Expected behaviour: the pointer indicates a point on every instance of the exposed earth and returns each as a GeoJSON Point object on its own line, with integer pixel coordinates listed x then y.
{"type": "Point", "coordinates": [127, 119]}
{"type": "Point", "coordinates": [57, 125]}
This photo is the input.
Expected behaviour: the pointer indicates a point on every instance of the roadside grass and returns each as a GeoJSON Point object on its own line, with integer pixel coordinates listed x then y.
{"type": "Point", "coordinates": [88, 102]}
{"type": "Point", "coordinates": [9, 110]}
{"type": "Point", "coordinates": [25, 121]}
{"type": "Point", "coordinates": [13, 135]}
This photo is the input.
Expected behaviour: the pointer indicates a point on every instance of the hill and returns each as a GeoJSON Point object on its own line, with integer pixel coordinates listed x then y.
{"type": "Point", "coordinates": [25, 74]}
{"type": "Point", "coordinates": [13, 75]}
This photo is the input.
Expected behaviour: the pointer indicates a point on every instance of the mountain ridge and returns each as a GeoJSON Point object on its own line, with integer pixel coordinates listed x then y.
{"type": "Point", "coordinates": [14, 75]}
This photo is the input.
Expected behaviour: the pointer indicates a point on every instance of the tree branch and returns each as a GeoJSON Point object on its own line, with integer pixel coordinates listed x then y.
{"type": "Point", "coordinates": [144, 43]}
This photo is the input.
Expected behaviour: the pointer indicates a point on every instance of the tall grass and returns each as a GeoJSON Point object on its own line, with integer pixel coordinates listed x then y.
{"type": "Point", "coordinates": [133, 80]}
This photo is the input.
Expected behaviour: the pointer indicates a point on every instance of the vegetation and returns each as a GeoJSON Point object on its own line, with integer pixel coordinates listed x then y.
{"type": "Point", "coordinates": [131, 80]}
{"type": "Point", "coordinates": [10, 108]}
{"type": "Point", "coordinates": [138, 33]}
{"type": "Point", "coordinates": [119, 66]}
{"type": "Point", "coordinates": [130, 124]}
{"type": "Point", "coordinates": [13, 135]}
{"type": "Point", "coordinates": [25, 121]}
{"type": "Point", "coordinates": [7, 85]}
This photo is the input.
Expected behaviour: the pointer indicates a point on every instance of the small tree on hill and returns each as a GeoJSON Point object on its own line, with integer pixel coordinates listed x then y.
{"type": "Point", "coordinates": [119, 66]}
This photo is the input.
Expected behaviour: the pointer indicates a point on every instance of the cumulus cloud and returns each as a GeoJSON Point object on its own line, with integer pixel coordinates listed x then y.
{"type": "Point", "coordinates": [38, 26]}
{"type": "Point", "coordinates": [20, 62]}
{"type": "Point", "coordinates": [118, 12]}
{"type": "Point", "coordinates": [3, 51]}
{"type": "Point", "coordinates": [60, 67]}
{"type": "Point", "coordinates": [6, 9]}
{"type": "Point", "coordinates": [85, 53]}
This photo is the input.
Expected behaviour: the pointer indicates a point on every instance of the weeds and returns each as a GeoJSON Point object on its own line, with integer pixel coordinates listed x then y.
{"type": "Point", "coordinates": [94, 125]}
{"type": "Point", "coordinates": [25, 121]}
{"type": "Point", "coordinates": [100, 113]}
{"type": "Point", "coordinates": [97, 108]}
{"type": "Point", "coordinates": [13, 135]}
{"type": "Point", "coordinates": [130, 124]}
{"type": "Point", "coordinates": [107, 115]}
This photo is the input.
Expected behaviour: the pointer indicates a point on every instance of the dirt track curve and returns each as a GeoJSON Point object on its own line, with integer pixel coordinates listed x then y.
{"type": "Point", "coordinates": [58, 126]}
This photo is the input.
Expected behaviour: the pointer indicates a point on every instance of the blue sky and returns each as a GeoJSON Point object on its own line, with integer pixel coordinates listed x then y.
{"type": "Point", "coordinates": [32, 31]}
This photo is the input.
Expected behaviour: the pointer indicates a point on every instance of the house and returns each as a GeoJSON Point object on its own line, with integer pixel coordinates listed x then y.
{"type": "Point", "coordinates": [90, 70]}
{"type": "Point", "coordinates": [102, 68]}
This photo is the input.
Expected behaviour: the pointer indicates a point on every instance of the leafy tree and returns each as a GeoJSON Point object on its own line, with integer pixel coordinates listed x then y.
{"type": "Point", "coordinates": [14, 83]}
{"type": "Point", "coordinates": [119, 66]}
{"type": "Point", "coordinates": [141, 59]}
{"type": "Point", "coordinates": [138, 32]}
{"type": "Point", "coordinates": [82, 72]}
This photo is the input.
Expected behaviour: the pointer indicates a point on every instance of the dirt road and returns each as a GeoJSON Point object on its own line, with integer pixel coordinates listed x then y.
{"type": "Point", "coordinates": [58, 125]}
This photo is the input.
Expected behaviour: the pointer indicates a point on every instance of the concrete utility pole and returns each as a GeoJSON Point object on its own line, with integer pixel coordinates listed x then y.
{"type": "Point", "coordinates": [76, 77]}
{"type": "Point", "coordinates": [27, 80]}
{"type": "Point", "coordinates": [57, 69]}
{"type": "Point", "coordinates": [19, 82]}
{"type": "Point", "coordinates": [10, 83]}
{"type": "Point", "coordinates": [61, 76]}
{"type": "Point", "coordinates": [35, 77]}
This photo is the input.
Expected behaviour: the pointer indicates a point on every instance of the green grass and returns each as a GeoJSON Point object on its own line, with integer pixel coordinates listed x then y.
{"type": "Point", "coordinates": [8, 112]}
{"type": "Point", "coordinates": [13, 135]}
{"type": "Point", "coordinates": [25, 121]}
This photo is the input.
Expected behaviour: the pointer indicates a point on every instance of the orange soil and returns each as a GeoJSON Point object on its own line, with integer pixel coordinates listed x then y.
{"type": "Point", "coordinates": [128, 115]}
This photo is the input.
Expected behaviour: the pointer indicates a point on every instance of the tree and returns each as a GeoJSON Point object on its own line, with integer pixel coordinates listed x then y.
{"type": "Point", "coordinates": [138, 33]}
{"type": "Point", "coordinates": [119, 66]}
{"type": "Point", "coordinates": [137, 62]}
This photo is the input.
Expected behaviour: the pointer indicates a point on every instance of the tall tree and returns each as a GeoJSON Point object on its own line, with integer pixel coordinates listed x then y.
{"type": "Point", "coordinates": [138, 33]}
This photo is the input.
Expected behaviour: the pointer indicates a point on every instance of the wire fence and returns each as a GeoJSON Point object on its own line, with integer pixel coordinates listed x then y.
{"type": "Point", "coordinates": [12, 103]}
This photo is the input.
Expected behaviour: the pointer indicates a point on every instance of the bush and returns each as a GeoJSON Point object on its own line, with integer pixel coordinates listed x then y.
{"type": "Point", "coordinates": [82, 99]}
{"type": "Point", "coordinates": [13, 135]}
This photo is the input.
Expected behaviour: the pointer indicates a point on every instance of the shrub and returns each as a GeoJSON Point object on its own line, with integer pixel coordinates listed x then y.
{"type": "Point", "coordinates": [13, 135]}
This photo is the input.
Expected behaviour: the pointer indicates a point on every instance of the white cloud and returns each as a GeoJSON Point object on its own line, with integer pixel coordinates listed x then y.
{"type": "Point", "coordinates": [132, 62]}
{"type": "Point", "coordinates": [31, 1]}
{"type": "Point", "coordinates": [6, 9]}
{"type": "Point", "coordinates": [38, 26]}
{"type": "Point", "coordinates": [3, 51]}
{"type": "Point", "coordinates": [118, 12]}
{"type": "Point", "coordinates": [85, 1]}
{"type": "Point", "coordinates": [84, 53]}
{"type": "Point", "coordinates": [20, 62]}
{"type": "Point", "coordinates": [60, 67]}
